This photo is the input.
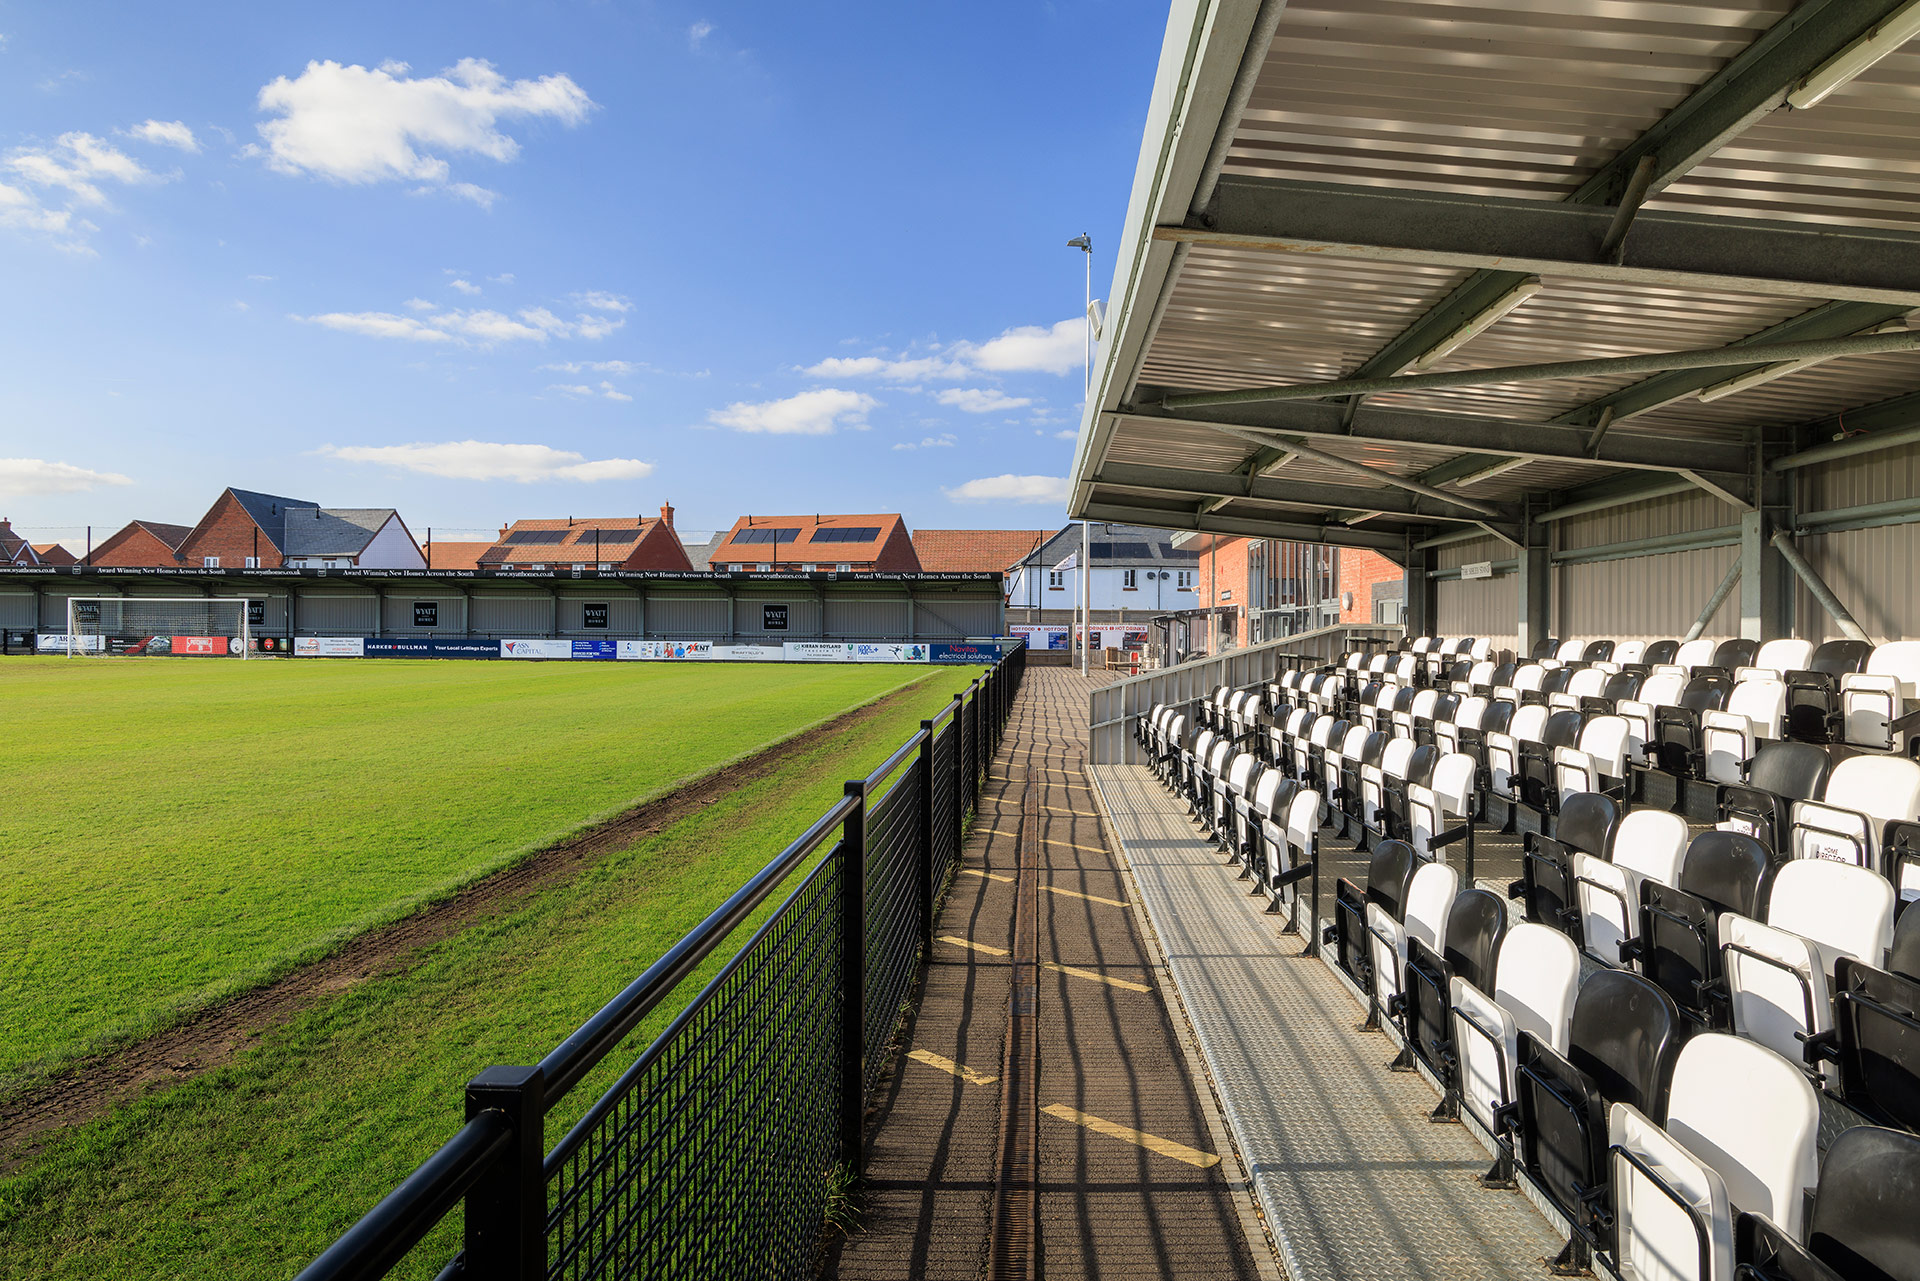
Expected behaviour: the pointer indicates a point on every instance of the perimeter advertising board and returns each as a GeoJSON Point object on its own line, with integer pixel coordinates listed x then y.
{"type": "Point", "coordinates": [330, 647]}
{"type": "Point", "coordinates": [816, 652]}
{"type": "Point", "coordinates": [595, 649]}
{"type": "Point", "coordinates": [1038, 637]}
{"type": "Point", "coordinates": [536, 649]}
{"type": "Point", "coordinates": [375, 648]}
{"type": "Point", "coordinates": [56, 643]}
{"type": "Point", "coordinates": [943, 652]}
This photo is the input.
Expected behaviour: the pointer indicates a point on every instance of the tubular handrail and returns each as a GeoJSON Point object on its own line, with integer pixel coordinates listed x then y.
{"type": "Point", "coordinates": [405, 1215]}
{"type": "Point", "coordinates": [581, 1052]}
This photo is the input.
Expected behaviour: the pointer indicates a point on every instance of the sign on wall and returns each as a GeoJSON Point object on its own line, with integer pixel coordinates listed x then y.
{"type": "Point", "coordinates": [1478, 569]}
{"type": "Point", "coordinates": [256, 613]}
{"type": "Point", "coordinates": [426, 613]}
{"type": "Point", "coordinates": [536, 649]}
{"type": "Point", "coordinates": [594, 614]}
{"type": "Point", "coordinates": [773, 618]}
{"type": "Point", "coordinates": [329, 646]}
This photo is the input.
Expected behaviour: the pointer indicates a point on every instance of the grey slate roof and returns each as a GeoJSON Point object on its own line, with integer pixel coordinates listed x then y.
{"type": "Point", "coordinates": [701, 554]}
{"type": "Point", "coordinates": [171, 535]}
{"type": "Point", "coordinates": [269, 511]}
{"type": "Point", "coordinates": [331, 531]}
{"type": "Point", "coordinates": [1112, 545]}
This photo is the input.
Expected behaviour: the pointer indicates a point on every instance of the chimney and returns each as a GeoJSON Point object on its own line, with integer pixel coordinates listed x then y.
{"type": "Point", "coordinates": [666, 515]}
{"type": "Point", "coordinates": [503, 530]}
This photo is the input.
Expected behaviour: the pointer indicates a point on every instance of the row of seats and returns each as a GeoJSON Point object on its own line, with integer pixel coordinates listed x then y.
{"type": "Point", "coordinates": [1724, 965]}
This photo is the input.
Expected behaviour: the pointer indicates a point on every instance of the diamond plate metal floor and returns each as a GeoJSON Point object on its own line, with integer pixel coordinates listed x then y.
{"type": "Point", "coordinates": [1354, 1180]}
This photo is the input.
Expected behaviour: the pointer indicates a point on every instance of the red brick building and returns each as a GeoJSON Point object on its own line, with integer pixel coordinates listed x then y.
{"type": "Point", "coordinates": [54, 554]}
{"type": "Point", "coordinates": [1259, 589]}
{"type": "Point", "coordinates": [602, 542]}
{"type": "Point", "coordinates": [248, 530]}
{"type": "Point", "coordinates": [818, 544]}
{"type": "Point", "coordinates": [142, 544]}
{"type": "Point", "coordinates": [15, 550]}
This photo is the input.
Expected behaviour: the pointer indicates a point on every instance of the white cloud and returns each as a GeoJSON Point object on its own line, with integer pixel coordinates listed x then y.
{"type": "Point", "coordinates": [610, 392]}
{"type": "Point", "coordinates": [465, 286]}
{"type": "Point", "coordinates": [945, 440]}
{"type": "Point", "coordinates": [592, 366]}
{"type": "Point", "coordinates": [487, 460]}
{"type": "Point", "coordinates": [349, 124]}
{"type": "Point", "coordinates": [980, 400]}
{"type": "Point", "coordinates": [601, 300]}
{"type": "Point", "coordinates": [1066, 433]}
{"type": "Point", "coordinates": [1033, 349]}
{"type": "Point", "coordinates": [419, 304]}
{"type": "Point", "coordinates": [698, 32]}
{"type": "Point", "coordinates": [904, 369]}
{"type": "Point", "coordinates": [38, 476]}
{"type": "Point", "coordinates": [810, 413]}
{"type": "Point", "coordinates": [469, 191]}
{"type": "Point", "coordinates": [483, 327]}
{"type": "Point", "coordinates": [605, 391]}
{"type": "Point", "coordinates": [76, 164]}
{"type": "Point", "coordinates": [504, 278]}
{"type": "Point", "coordinates": [261, 279]}
{"type": "Point", "coordinates": [166, 133]}
{"type": "Point", "coordinates": [1012, 489]}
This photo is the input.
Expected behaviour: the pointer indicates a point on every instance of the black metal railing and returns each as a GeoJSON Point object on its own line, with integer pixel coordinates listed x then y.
{"type": "Point", "coordinates": [717, 1150]}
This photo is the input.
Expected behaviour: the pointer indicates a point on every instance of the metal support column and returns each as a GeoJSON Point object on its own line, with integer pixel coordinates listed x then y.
{"type": "Point", "coordinates": [1766, 583]}
{"type": "Point", "coordinates": [1422, 593]}
{"type": "Point", "coordinates": [1842, 617]}
{"type": "Point", "coordinates": [1536, 586]}
{"type": "Point", "coordinates": [506, 1210]}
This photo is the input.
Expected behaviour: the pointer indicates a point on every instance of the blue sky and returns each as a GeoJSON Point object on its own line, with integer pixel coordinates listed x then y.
{"type": "Point", "coordinates": [485, 261]}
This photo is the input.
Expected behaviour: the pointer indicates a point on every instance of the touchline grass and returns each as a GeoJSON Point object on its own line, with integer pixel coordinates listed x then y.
{"type": "Point", "coordinates": [251, 1169]}
{"type": "Point", "coordinates": [175, 831]}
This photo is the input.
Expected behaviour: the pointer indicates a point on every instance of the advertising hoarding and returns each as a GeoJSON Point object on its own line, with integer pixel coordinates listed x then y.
{"type": "Point", "coordinates": [887, 652]}
{"type": "Point", "coordinates": [985, 654]}
{"type": "Point", "coordinates": [594, 614]}
{"type": "Point", "coordinates": [329, 647]}
{"type": "Point", "coordinates": [595, 649]}
{"type": "Point", "coordinates": [536, 649]}
{"type": "Point", "coordinates": [1038, 637]}
{"type": "Point", "coordinates": [200, 646]}
{"type": "Point", "coordinates": [816, 652]}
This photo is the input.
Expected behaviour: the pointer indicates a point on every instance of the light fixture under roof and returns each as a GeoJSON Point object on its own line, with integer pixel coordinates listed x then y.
{"type": "Point", "coordinates": [1488, 473]}
{"type": "Point", "coordinates": [1767, 373]}
{"type": "Point", "coordinates": [1882, 39]}
{"type": "Point", "coordinates": [1486, 319]}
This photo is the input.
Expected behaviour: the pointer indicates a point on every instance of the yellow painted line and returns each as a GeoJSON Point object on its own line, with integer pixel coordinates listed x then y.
{"type": "Point", "coordinates": [1065, 845]}
{"type": "Point", "coordinates": [973, 946]}
{"type": "Point", "coordinates": [1064, 813]}
{"type": "Point", "coordinates": [960, 1070]}
{"type": "Point", "coordinates": [1091, 898]}
{"type": "Point", "coordinates": [1097, 977]}
{"type": "Point", "coordinates": [991, 876]}
{"type": "Point", "coordinates": [1063, 773]}
{"type": "Point", "coordinates": [1139, 1138]}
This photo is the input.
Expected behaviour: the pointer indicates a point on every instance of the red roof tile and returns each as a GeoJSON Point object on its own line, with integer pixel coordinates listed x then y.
{"type": "Point", "coordinates": [990, 551]}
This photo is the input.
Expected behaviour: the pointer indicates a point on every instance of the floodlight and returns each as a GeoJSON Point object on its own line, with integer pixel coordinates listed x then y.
{"type": "Point", "coordinates": [1885, 36]}
{"type": "Point", "coordinates": [1487, 473]}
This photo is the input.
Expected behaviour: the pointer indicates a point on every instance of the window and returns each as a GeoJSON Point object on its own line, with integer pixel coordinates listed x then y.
{"type": "Point", "coordinates": [1056, 580]}
{"type": "Point", "coordinates": [536, 567]}
{"type": "Point", "coordinates": [763, 567]}
{"type": "Point", "coordinates": [856, 534]}
{"type": "Point", "coordinates": [253, 562]}
{"type": "Point", "coordinates": [844, 567]}
{"type": "Point", "coordinates": [1184, 581]}
{"type": "Point", "coordinates": [765, 535]}
{"type": "Point", "coordinates": [808, 568]}
{"type": "Point", "coordinates": [605, 565]}
{"type": "Point", "coordinates": [209, 562]}
{"type": "Point", "coordinates": [1127, 579]}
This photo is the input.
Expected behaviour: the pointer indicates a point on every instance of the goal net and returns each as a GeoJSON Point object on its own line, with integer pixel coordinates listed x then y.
{"type": "Point", "coordinates": [191, 625]}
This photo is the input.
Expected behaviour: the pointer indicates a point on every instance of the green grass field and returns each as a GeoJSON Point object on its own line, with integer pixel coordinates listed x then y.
{"type": "Point", "coordinates": [175, 832]}
{"type": "Point", "coordinates": [250, 1169]}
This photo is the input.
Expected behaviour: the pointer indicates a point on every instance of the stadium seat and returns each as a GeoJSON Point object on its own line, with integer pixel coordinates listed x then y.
{"type": "Point", "coordinates": [1597, 764]}
{"type": "Point", "coordinates": [1619, 687]}
{"type": "Point", "coordinates": [1503, 756]}
{"type": "Point", "coordinates": [1546, 884]}
{"type": "Point", "coordinates": [1622, 1041]}
{"type": "Point", "coordinates": [1677, 734]}
{"type": "Point", "coordinates": [1761, 804]}
{"type": "Point", "coordinates": [1343, 772]}
{"type": "Point", "coordinates": [1849, 822]}
{"type": "Point", "coordinates": [1290, 838]}
{"type": "Point", "coordinates": [1875, 1037]}
{"type": "Point", "coordinates": [1441, 812]}
{"type": "Point", "coordinates": [1648, 845]}
{"type": "Point", "coordinates": [1776, 658]}
{"type": "Point", "coordinates": [1390, 870]}
{"type": "Point", "coordinates": [1536, 978]}
{"type": "Point", "coordinates": [1476, 926]}
{"type": "Point", "coordinates": [1740, 1132]}
{"type": "Point", "coordinates": [1779, 973]}
{"type": "Point", "coordinates": [1679, 940]}
{"type": "Point", "coordinates": [1232, 800]}
{"type": "Point", "coordinates": [1538, 783]}
{"type": "Point", "coordinates": [1628, 652]}
{"type": "Point", "coordinates": [1429, 897]}
{"type": "Point", "coordinates": [1813, 693]}
{"type": "Point", "coordinates": [1272, 794]}
{"type": "Point", "coordinates": [1583, 683]}
{"type": "Point", "coordinates": [1861, 1226]}
{"type": "Point", "coordinates": [1657, 691]}
{"type": "Point", "coordinates": [1755, 713]}
{"type": "Point", "coordinates": [1877, 705]}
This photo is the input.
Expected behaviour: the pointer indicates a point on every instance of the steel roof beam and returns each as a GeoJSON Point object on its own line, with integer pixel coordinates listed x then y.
{"type": "Point", "coordinates": [1391, 544]}
{"type": "Point", "coordinates": [1186, 483]}
{"type": "Point", "coordinates": [1668, 250]}
{"type": "Point", "coordinates": [1274, 422]}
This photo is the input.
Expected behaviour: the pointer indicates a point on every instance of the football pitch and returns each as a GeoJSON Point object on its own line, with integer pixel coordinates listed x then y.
{"type": "Point", "coordinates": [176, 832]}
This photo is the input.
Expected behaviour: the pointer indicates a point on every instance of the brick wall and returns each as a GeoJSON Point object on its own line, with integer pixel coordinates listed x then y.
{"type": "Point", "coordinates": [133, 547]}
{"type": "Point", "coordinates": [228, 532]}
{"type": "Point", "coordinates": [1360, 571]}
{"type": "Point", "coordinates": [896, 554]}
{"type": "Point", "coordinates": [658, 548]}
{"type": "Point", "coordinates": [1220, 579]}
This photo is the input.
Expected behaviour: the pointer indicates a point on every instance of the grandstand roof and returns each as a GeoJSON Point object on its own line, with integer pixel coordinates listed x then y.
{"type": "Point", "coordinates": [1338, 192]}
{"type": "Point", "coordinates": [985, 550]}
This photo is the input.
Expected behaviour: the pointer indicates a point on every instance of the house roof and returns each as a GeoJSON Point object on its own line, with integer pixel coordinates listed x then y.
{"type": "Point", "coordinates": [1114, 544]}
{"type": "Point", "coordinates": [455, 555]}
{"type": "Point", "coordinates": [979, 550]}
{"type": "Point", "coordinates": [701, 554]}
{"type": "Point", "coordinates": [806, 538]}
{"type": "Point", "coordinates": [171, 535]}
{"type": "Point", "coordinates": [54, 554]}
{"type": "Point", "coordinates": [269, 511]}
{"type": "Point", "coordinates": [569, 541]}
{"type": "Point", "coordinates": [331, 531]}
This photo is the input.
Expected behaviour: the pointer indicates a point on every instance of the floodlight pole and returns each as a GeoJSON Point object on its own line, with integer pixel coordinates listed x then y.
{"type": "Point", "coordinates": [1083, 616]}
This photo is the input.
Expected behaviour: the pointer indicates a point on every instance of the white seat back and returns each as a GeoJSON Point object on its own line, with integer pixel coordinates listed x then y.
{"type": "Point", "coordinates": [1570, 651]}
{"type": "Point", "coordinates": [1265, 790]}
{"type": "Point", "coordinates": [1695, 653]}
{"type": "Point", "coordinates": [1863, 793]}
{"type": "Point", "coordinates": [1629, 652]}
{"type": "Point", "coordinates": [1847, 910]}
{"type": "Point", "coordinates": [1657, 1238]}
{"type": "Point", "coordinates": [1535, 979]}
{"type": "Point", "coordinates": [1394, 759]}
{"type": "Point", "coordinates": [1752, 1116]}
{"type": "Point", "coordinates": [1778, 989]}
{"type": "Point", "coordinates": [1651, 845]}
{"type": "Point", "coordinates": [1240, 772]}
{"type": "Point", "coordinates": [1429, 897]}
{"type": "Point", "coordinates": [1527, 679]}
{"type": "Point", "coordinates": [1782, 656]}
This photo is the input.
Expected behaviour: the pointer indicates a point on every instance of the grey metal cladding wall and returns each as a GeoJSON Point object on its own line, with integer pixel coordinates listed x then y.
{"type": "Point", "coordinates": [1872, 571]}
{"type": "Point", "coordinates": [1481, 607]}
{"type": "Point", "coordinates": [954, 618]}
{"type": "Point", "coordinates": [398, 613]}
{"type": "Point", "coordinates": [1674, 514]}
{"type": "Point", "coordinates": [624, 613]}
{"type": "Point", "coordinates": [803, 615]}
{"type": "Point", "coordinates": [1645, 597]}
{"type": "Point", "coordinates": [687, 617]}
{"type": "Point", "coordinates": [862, 617]}
{"type": "Point", "coordinates": [511, 615]}
{"type": "Point", "coordinates": [329, 614]}
{"type": "Point", "coordinates": [1454, 555]}
{"type": "Point", "coordinates": [16, 610]}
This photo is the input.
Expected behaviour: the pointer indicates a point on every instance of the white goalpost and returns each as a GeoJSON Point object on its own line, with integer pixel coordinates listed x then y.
{"type": "Point", "coordinates": [192, 625]}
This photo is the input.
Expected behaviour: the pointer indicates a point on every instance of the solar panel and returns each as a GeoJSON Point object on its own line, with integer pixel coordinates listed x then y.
{"type": "Point", "coordinates": [536, 537]}
{"type": "Point", "coordinates": [607, 537]}
{"type": "Point", "coordinates": [1132, 551]}
{"type": "Point", "coordinates": [845, 534]}
{"type": "Point", "coordinates": [764, 534]}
